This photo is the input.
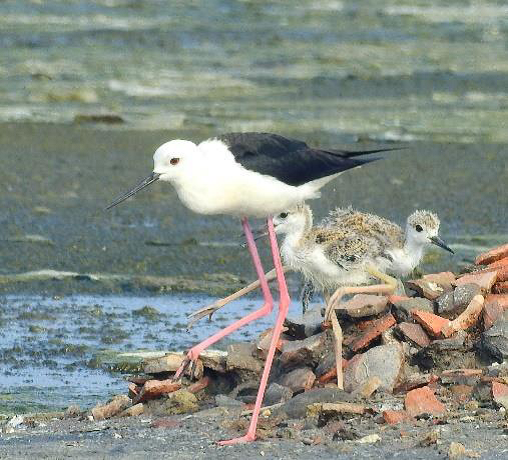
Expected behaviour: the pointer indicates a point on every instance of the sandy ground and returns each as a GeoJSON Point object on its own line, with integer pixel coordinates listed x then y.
{"type": "Point", "coordinates": [193, 437]}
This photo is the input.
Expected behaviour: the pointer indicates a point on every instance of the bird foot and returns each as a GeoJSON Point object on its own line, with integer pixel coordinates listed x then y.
{"type": "Point", "coordinates": [188, 363]}
{"type": "Point", "coordinates": [242, 440]}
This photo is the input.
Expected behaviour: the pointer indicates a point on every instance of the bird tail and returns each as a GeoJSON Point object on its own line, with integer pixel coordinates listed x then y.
{"type": "Point", "coordinates": [357, 153]}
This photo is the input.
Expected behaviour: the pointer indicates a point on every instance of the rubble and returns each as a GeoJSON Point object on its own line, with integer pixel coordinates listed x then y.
{"type": "Point", "coordinates": [405, 359]}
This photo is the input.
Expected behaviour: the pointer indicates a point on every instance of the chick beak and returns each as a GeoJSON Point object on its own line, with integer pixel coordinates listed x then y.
{"type": "Point", "coordinates": [439, 242]}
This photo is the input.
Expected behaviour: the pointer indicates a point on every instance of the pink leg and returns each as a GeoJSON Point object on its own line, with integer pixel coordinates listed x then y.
{"type": "Point", "coordinates": [284, 302]}
{"type": "Point", "coordinates": [195, 351]}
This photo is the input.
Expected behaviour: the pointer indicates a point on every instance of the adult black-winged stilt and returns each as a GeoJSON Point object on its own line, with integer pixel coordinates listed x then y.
{"type": "Point", "coordinates": [248, 175]}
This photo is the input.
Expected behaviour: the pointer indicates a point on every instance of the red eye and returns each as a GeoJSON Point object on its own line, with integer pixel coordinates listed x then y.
{"type": "Point", "coordinates": [174, 161]}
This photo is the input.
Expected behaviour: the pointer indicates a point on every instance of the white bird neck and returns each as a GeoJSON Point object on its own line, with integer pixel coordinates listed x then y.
{"type": "Point", "coordinates": [414, 252]}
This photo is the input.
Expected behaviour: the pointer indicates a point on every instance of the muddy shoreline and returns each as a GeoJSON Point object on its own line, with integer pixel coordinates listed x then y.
{"type": "Point", "coordinates": [58, 178]}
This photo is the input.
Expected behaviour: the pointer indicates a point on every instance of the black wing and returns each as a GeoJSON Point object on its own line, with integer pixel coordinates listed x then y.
{"type": "Point", "coordinates": [289, 160]}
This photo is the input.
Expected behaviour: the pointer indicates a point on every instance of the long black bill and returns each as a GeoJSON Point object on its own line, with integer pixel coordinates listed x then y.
{"type": "Point", "coordinates": [144, 183]}
{"type": "Point", "coordinates": [439, 242]}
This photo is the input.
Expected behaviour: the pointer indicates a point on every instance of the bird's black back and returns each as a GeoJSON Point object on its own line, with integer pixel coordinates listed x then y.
{"type": "Point", "coordinates": [289, 160]}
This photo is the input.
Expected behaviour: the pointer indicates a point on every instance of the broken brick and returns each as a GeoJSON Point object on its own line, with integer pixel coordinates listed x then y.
{"type": "Point", "coordinates": [491, 256]}
{"type": "Point", "coordinates": [501, 299]}
{"type": "Point", "coordinates": [199, 385]}
{"type": "Point", "coordinates": [155, 388]}
{"type": "Point", "coordinates": [427, 289]}
{"type": "Point", "coordinates": [423, 401]}
{"type": "Point", "coordinates": [365, 305]}
{"type": "Point", "coordinates": [499, 263]}
{"type": "Point", "coordinates": [393, 417]}
{"type": "Point", "coordinates": [467, 318]}
{"type": "Point", "coordinates": [484, 280]}
{"type": "Point", "coordinates": [415, 333]}
{"type": "Point", "coordinates": [499, 390]}
{"type": "Point", "coordinates": [491, 312]}
{"type": "Point", "coordinates": [376, 328]}
{"type": "Point", "coordinates": [112, 408]}
{"type": "Point", "coordinates": [433, 324]}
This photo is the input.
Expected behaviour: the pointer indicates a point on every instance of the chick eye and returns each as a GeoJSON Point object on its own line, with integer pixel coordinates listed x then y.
{"type": "Point", "coordinates": [174, 161]}
{"type": "Point", "coordinates": [418, 228]}
{"type": "Point", "coordinates": [283, 215]}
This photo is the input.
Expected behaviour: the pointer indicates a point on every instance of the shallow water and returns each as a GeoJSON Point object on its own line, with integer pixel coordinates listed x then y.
{"type": "Point", "coordinates": [60, 351]}
{"type": "Point", "coordinates": [433, 75]}
{"type": "Point", "coordinates": [384, 69]}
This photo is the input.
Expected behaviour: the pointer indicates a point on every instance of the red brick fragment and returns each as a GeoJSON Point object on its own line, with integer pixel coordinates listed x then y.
{"type": "Point", "coordinates": [467, 318]}
{"type": "Point", "coordinates": [433, 324]}
{"type": "Point", "coordinates": [484, 280]}
{"type": "Point", "coordinates": [499, 263]}
{"type": "Point", "coordinates": [501, 299]}
{"type": "Point", "coordinates": [393, 299]}
{"type": "Point", "coordinates": [499, 390]}
{"type": "Point", "coordinates": [491, 312]}
{"type": "Point", "coordinates": [199, 385]}
{"type": "Point", "coordinates": [415, 333]}
{"type": "Point", "coordinates": [500, 288]}
{"type": "Point", "coordinates": [491, 256]}
{"type": "Point", "coordinates": [377, 327]}
{"type": "Point", "coordinates": [332, 373]}
{"type": "Point", "coordinates": [393, 417]}
{"type": "Point", "coordinates": [154, 388]}
{"type": "Point", "coordinates": [423, 401]}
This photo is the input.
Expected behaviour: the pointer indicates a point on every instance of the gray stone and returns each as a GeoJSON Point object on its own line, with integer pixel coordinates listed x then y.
{"type": "Point", "coordinates": [240, 359]}
{"type": "Point", "coordinates": [463, 295]}
{"type": "Point", "coordinates": [445, 305]}
{"type": "Point", "coordinates": [297, 407]}
{"type": "Point", "coordinates": [306, 325]}
{"type": "Point", "coordinates": [276, 393]}
{"type": "Point", "coordinates": [402, 308]}
{"type": "Point", "coordinates": [226, 401]}
{"type": "Point", "coordinates": [300, 379]}
{"type": "Point", "coordinates": [326, 363]}
{"type": "Point", "coordinates": [385, 362]}
{"type": "Point", "coordinates": [495, 340]}
{"type": "Point", "coordinates": [454, 352]}
{"type": "Point", "coordinates": [306, 352]}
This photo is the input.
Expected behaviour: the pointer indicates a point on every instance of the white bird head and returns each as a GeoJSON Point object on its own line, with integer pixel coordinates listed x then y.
{"type": "Point", "coordinates": [175, 159]}
{"type": "Point", "coordinates": [295, 220]}
{"type": "Point", "coordinates": [171, 161]}
{"type": "Point", "coordinates": [422, 229]}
